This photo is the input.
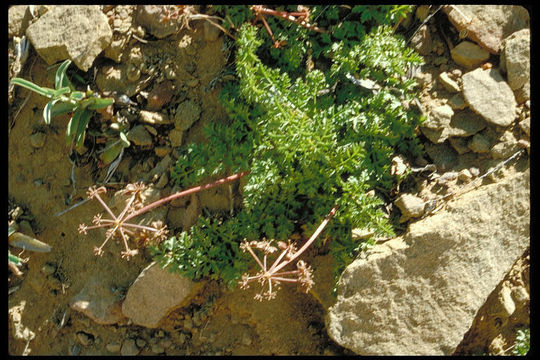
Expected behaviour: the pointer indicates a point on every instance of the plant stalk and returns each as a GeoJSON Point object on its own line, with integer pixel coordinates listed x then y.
{"type": "Point", "coordinates": [187, 192]}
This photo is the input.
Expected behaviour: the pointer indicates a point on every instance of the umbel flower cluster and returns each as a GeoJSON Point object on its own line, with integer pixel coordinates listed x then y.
{"type": "Point", "coordinates": [121, 227]}
{"type": "Point", "coordinates": [118, 226]}
{"type": "Point", "coordinates": [270, 276]}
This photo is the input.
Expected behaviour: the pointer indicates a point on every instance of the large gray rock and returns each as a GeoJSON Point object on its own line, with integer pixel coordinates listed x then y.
{"type": "Point", "coordinates": [488, 25]}
{"type": "Point", "coordinates": [516, 56]}
{"type": "Point", "coordinates": [76, 32]}
{"type": "Point", "coordinates": [419, 294]}
{"type": "Point", "coordinates": [155, 293]}
{"type": "Point", "coordinates": [489, 95]}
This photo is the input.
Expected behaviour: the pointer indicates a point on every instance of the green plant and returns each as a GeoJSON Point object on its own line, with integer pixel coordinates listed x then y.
{"type": "Point", "coordinates": [310, 142]}
{"type": "Point", "coordinates": [523, 342]}
{"type": "Point", "coordinates": [65, 99]}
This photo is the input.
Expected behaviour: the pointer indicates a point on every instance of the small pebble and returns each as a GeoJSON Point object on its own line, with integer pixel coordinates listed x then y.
{"type": "Point", "coordinates": [84, 338]}
{"type": "Point", "coordinates": [48, 269]}
{"type": "Point", "coordinates": [474, 171]}
{"type": "Point", "coordinates": [166, 343]}
{"type": "Point", "coordinates": [162, 151]}
{"type": "Point", "coordinates": [140, 342]}
{"type": "Point", "coordinates": [113, 347]}
{"type": "Point", "coordinates": [37, 140]}
{"type": "Point", "coordinates": [246, 339]}
{"type": "Point", "coordinates": [158, 349]}
{"type": "Point", "coordinates": [129, 348]}
{"type": "Point", "coordinates": [465, 175]}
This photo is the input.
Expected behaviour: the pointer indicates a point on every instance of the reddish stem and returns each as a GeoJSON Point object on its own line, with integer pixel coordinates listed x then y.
{"type": "Point", "coordinates": [185, 193]}
{"type": "Point", "coordinates": [310, 240]}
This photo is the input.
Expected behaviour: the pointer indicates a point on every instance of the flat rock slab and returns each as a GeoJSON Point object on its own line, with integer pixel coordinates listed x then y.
{"type": "Point", "coordinates": [155, 293]}
{"type": "Point", "coordinates": [76, 32]}
{"type": "Point", "coordinates": [488, 25]}
{"type": "Point", "coordinates": [419, 294]}
{"type": "Point", "coordinates": [98, 302]}
{"type": "Point", "coordinates": [489, 95]}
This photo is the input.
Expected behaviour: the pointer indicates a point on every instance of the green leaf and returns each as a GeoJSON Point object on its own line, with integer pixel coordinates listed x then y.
{"type": "Point", "coordinates": [47, 92]}
{"type": "Point", "coordinates": [111, 152]}
{"type": "Point", "coordinates": [81, 128]}
{"type": "Point", "coordinates": [124, 139]}
{"type": "Point", "coordinates": [73, 125]}
{"type": "Point", "coordinates": [61, 91]}
{"type": "Point", "coordinates": [100, 103]}
{"type": "Point", "coordinates": [77, 95]}
{"type": "Point", "coordinates": [61, 80]}
{"type": "Point", "coordinates": [14, 259]}
{"type": "Point", "coordinates": [62, 108]}
{"type": "Point", "coordinates": [47, 110]}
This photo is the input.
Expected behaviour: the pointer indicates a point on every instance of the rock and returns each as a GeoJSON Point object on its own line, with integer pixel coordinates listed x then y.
{"type": "Point", "coordinates": [488, 25]}
{"type": "Point", "coordinates": [488, 95]}
{"type": "Point", "coordinates": [411, 206]}
{"type": "Point", "coordinates": [480, 143]}
{"type": "Point", "coordinates": [140, 343]}
{"type": "Point", "coordinates": [525, 125]}
{"type": "Point", "coordinates": [469, 55]}
{"type": "Point", "coordinates": [449, 84]}
{"type": "Point", "coordinates": [154, 118]}
{"type": "Point", "coordinates": [459, 144]}
{"type": "Point", "coordinates": [160, 95]}
{"type": "Point", "coordinates": [84, 338]}
{"type": "Point", "coordinates": [19, 18]}
{"type": "Point", "coordinates": [98, 302]}
{"type": "Point", "coordinates": [155, 293]}
{"type": "Point", "coordinates": [440, 117]}
{"type": "Point", "coordinates": [162, 151]}
{"type": "Point", "coordinates": [516, 56]}
{"type": "Point", "coordinates": [211, 32]}
{"type": "Point", "coordinates": [161, 167]}
{"type": "Point", "coordinates": [443, 123]}
{"type": "Point", "coordinates": [113, 347]}
{"type": "Point", "coordinates": [76, 32]}
{"type": "Point", "coordinates": [129, 348]}
{"type": "Point", "coordinates": [163, 180]}
{"type": "Point", "coordinates": [151, 17]}
{"type": "Point", "coordinates": [447, 178]}
{"type": "Point", "coordinates": [465, 123]}
{"type": "Point", "coordinates": [48, 269]}
{"type": "Point", "coordinates": [184, 217]}
{"type": "Point", "coordinates": [158, 349]}
{"type": "Point", "coordinates": [187, 113]}
{"type": "Point", "coordinates": [523, 94]}
{"type": "Point", "coordinates": [465, 175]}
{"type": "Point", "coordinates": [139, 136]}
{"type": "Point", "coordinates": [506, 146]}
{"type": "Point", "coordinates": [422, 42]}
{"type": "Point", "coordinates": [505, 310]}
{"type": "Point", "coordinates": [418, 294]}
{"type": "Point", "coordinates": [422, 12]}
{"type": "Point", "coordinates": [37, 140]}
{"type": "Point", "coordinates": [175, 137]}
{"type": "Point", "coordinates": [457, 102]}
{"type": "Point", "coordinates": [442, 155]}
{"type": "Point", "coordinates": [123, 16]}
